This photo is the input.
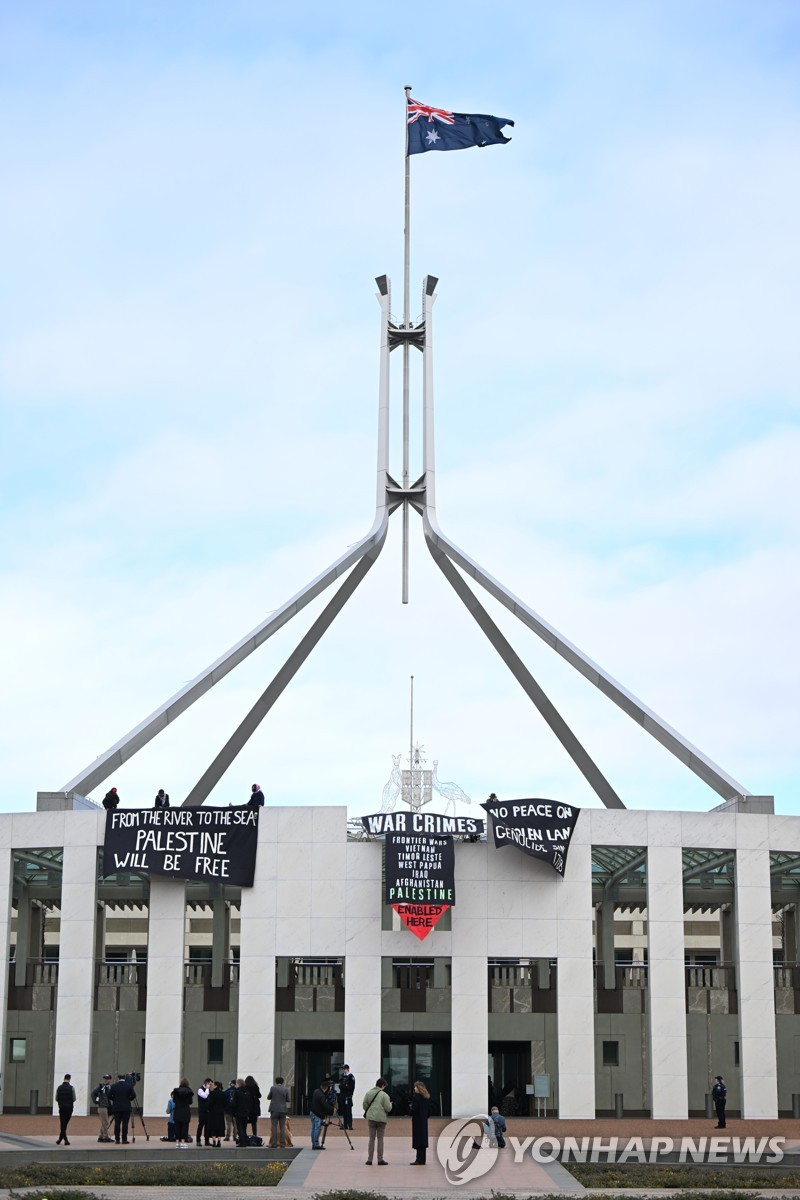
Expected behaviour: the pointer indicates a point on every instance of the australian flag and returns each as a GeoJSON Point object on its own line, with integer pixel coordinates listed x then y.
{"type": "Point", "coordinates": [436, 129]}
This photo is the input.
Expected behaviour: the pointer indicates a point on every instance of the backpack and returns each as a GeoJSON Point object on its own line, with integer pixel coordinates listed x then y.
{"type": "Point", "coordinates": [255, 1141]}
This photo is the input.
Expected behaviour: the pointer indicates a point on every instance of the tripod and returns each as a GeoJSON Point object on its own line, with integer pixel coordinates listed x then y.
{"type": "Point", "coordinates": [338, 1123]}
{"type": "Point", "coordinates": [137, 1112]}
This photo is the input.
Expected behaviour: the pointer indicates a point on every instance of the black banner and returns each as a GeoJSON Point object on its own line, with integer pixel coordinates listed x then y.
{"type": "Point", "coordinates": [420, 869]}
{"type": "Point", "coordinates": [541, 828]}
{"type": "Point", "coordinates": [185, 843]}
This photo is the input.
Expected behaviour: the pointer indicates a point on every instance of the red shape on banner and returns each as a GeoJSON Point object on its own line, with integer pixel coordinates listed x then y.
{"type": "Point", "coordinates": [420, 918]}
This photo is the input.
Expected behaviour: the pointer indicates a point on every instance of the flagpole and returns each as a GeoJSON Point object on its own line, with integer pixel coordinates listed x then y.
{"type": "Point", "coordinates": [406, 348]}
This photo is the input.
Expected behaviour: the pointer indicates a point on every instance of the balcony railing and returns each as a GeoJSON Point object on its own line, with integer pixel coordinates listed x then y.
{"type": "Point", "coordinates": [38, 973]}
{"type": "Point", "coordinates": [198, 974]}
{"type": "Point", "coordinates": [317, 974]}
{"type": "Point", "coordinates": [122, 974]}
{"type": "Point", "coordinates": [717, 975]}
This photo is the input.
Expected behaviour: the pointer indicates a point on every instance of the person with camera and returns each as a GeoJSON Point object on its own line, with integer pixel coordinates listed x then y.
{"type": "Point", "coordinates": [322, 1108]}
{"type": "Point", "coordinates": [101, 1097]}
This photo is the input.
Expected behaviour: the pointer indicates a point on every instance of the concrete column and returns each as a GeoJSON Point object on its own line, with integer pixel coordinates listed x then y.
{"type": "Point", "coordinates": [669, 1085]}
{"type": "Point", "coordinates": [441, 975]}
{"type": "Point", "coordinates": [755, 985]}
{"type": "Point", "coordinates": [727, 936]}
{"type": "Point", "coordinates": [6, 878]}
{"type": "Point", "coordinates": [575, 1005]}
{"type": "Point", "coordinates": [100, 933]}
{"type": "Point", "coordinates": [220, 936]}
{"type": "Point", "coordinates": [36, 948]}
{"type": "Point", "coordinates": [76, 972]}
{"type": "Point", "coordinates": [23, 936]}
{"type": "Point", "coordinates": [165, 972]}
{"type": "Point", "coordinates": [605, 929]}
{"type": "Point", "coordinates": [362, 1016]}
{"type": "Point", "coordinates": [470, 1014]}
{"type": "Point", "coordinates": [790, 931]}
{"type": "Point", "coordinates": [255, 1053]}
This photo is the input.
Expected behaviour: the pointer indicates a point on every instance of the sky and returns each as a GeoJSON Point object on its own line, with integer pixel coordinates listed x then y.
{"type": "Point", "coordinates": [196, 200]}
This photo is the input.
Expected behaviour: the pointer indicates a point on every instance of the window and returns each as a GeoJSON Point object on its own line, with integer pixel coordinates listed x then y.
{"type": "Point", "coordinates": [18, 1047]}
{"type": "Point", "coordinates": [216, 1050]}
{"type": "Point", "coordinates": [736, 1054]}
{"type": "Point", "coordinates": [610, 1054]}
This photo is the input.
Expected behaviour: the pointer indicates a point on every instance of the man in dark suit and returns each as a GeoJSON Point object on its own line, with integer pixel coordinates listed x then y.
{"type": "Point", "coordinates": [122, 1096]}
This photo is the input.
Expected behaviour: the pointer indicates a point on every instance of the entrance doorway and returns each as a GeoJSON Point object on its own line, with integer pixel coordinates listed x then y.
{"type": "Point", "coordinates": [313, 1060]}
{"type": "Point", "coordinates": [405, 1060]}
{"type": "Point", "coordinates": [509, 1072]}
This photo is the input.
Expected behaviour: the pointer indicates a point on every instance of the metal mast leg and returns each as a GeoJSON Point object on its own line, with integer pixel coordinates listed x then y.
{"type": "Point", "coordinates": [689, 755]}
{"type": "Point", "coordinates": [211, 777]}
{"type": "Point", "coordinates": [585, 764]}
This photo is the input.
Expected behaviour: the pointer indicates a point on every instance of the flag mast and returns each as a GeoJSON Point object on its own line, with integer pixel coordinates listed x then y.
{"type": "Point", "coordinates": [406, 347]}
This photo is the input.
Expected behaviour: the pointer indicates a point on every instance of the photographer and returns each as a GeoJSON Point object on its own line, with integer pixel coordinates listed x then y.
{"type": "Point", "coordinates": [322, 1108]}
{"type": "Point", "coordinates": [100, 1097]}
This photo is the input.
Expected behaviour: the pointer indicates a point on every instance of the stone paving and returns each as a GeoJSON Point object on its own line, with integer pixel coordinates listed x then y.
{"type": "Point", "coordinates": [338, 1167]}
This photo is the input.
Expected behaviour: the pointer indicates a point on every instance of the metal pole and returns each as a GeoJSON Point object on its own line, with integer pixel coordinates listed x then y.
{"type": "Point", "coordinates": [406, 347]}
{"type": "Point", "coordinates": [411, 745]}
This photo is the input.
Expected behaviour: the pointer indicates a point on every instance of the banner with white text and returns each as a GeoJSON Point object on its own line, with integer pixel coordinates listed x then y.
{"type": "Point", "coordinates": [185, 843]}
{"type": "Point", "coordinates": [541, 828]}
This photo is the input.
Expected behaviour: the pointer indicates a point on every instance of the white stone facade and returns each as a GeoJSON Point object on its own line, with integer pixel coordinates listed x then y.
{"type": "Point", "coordinates": [319, 895]}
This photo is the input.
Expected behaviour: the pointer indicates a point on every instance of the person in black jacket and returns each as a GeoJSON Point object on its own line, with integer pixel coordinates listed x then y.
{"type": "Point", "coordinates": [182, 1097]}
{"type": "Point", "coordinates": [65, 1099]}
{"type": "Point", "coordinates": [256, 799]}
{"type": "Point", "coordinates": [347, 1085]}
{"type": "Point", "coordinates": [420, 1107]}
{"type": "Point", "coordinates": [203, 1095]}
{"type": "Point", "coordinates": [111, 799]}
{"type": "Point", "coordinates": [121, 1096]}
{"type": "Point", "coordinates": [230, 1123]}
{"type": "Point", "coordinates": [240, 1107]}
{"type": "Point", "coordinates": [719, 1094]}
{"type": "Point", "coordinates": [161, 800]}
{"type": "Point", "coordinates": [216, 1115]}
{"type": "Point", "coordinates": [255, 1103]}
{"type": "Point", "coordinates": [322, 1107]}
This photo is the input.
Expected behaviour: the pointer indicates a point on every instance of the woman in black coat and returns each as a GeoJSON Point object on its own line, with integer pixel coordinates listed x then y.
{"type": "Point", "coordinates": [255, 1103]}
{"type": "Point", "coordinates": [420, 1107]}
{"type": "Point", "coordinates": [216, 1115]}
{"type": "Point", "coordinates": [182, 1097]}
